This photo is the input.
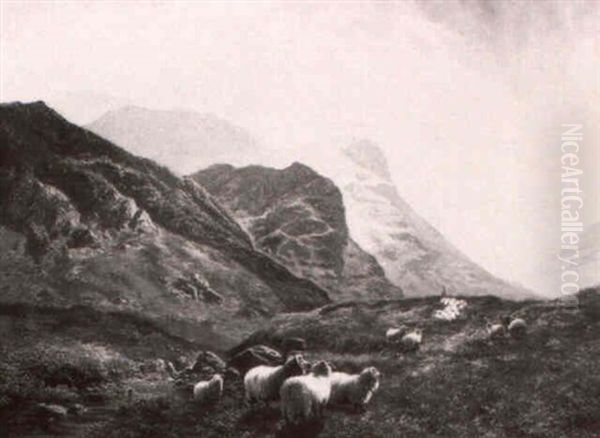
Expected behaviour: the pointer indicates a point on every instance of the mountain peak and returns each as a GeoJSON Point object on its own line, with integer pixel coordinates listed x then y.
{"type": "Point", "coordinates": [369, 156]}
{"type": "Point", "coordinates": [297, 216]}
{"type": "Point", "coordinates": [36, 107]}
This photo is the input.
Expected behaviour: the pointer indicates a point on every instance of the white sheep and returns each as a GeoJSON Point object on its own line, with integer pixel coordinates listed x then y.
{"type": "Point", "coordinates": [356, 389]}
{"type": "Point", "coordinates": [452, 309]}
{"type": "Point", "coordinates": [517, 328]}
{"type": "Point", "coordinates": [394, 334]}
{"type": "Point", "coordinates": [209, 390]}
{"type": "Point", "coordinates": [262, 383]}
{"type": "Point", "coordinates": [496, 331]}
{"type": "Point", "coordinates": [412, 340]}
{"type": "Point", "coordinates": [303, 398]}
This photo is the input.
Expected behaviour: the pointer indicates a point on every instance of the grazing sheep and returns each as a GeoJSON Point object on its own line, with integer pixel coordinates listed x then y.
{"type": "Point", "coordinates": [262, 383]}
{"type": "Point", "coordinates": [209, 390]}
{"type": "Point", "coordinates": [412, 340]}
{"type": "Point", "coordinates": [356, 389]}
{"type": "Point", "coordinates": [517, 328]}
{"type": "Point", "coordinates": [496, 331]}
{"type": "Point", "coordinates": [394, 334]}
{"type": "Point", "coordinates": [303, 398]}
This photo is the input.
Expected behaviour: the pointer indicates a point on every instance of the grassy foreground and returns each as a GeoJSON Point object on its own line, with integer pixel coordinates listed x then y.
{"type": "Point", "coordinates": [459, 384]}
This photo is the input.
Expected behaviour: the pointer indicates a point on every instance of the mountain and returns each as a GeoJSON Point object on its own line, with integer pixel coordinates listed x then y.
{"type": "Point", "coordinates": [413, 254]}
{"type": "Point", "coordinates": [297, 217]}
{"type": "Point", "coordinates": [84, 222]}
{"type": "Point", "coordinates": [181, 140]}
{"type": "Point", "coordinates": [81, 107]}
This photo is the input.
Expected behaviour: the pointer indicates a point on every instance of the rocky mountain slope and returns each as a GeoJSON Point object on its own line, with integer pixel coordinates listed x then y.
{"type": "Point", "coordinates": [297, 216]}
{"type": "Point", "coordinates": [185, 141]}
{"type": "Point", "coordinates": [414, 255]}
{"type": "Point", "coordinates": [84, 222]}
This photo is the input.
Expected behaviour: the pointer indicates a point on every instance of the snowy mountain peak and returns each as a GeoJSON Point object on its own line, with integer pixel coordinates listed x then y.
{"type": "Point", "coordinates": [369, 156]}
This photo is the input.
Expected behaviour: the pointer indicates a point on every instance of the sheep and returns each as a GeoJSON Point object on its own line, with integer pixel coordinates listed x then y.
{"type": "Point", "coordinates": [496, 331]}
{"type": "Point", "coordinates": [394, 334]}
{"type": "Point", "coordinates": [452, 309]}
{"type": "Point", "coordinates": [517, 328]}
{"type": "Point", "coordinates": [209, 390]}
{"type": "Point", "coordinates": [303, 398]}
{"type": "Point", "coordinates": [412, 340]}
{"type": "Point", "coordinates": [356, 389]}
{"type": "Point", "coordinates": [262, 383]}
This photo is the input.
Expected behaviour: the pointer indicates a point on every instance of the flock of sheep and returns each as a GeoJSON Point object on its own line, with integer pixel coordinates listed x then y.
{"type": "Point", "coordinates": [304, 389]}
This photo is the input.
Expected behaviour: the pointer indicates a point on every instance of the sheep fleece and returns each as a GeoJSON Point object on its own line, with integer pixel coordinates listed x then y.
{"type": "Point", "coordinates": [348, 388]}
{"type": "Point", "coordinates": [304, 397]}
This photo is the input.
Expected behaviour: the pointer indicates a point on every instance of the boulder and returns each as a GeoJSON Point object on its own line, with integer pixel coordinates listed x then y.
{"type": "Point", "coordinates": [254, 356]}
{"type": "Point", "coordinates": [153, 366]}
{"type": "Point", "coordinates": [208, 359]}
{"type": "Point", "coordinates": [293, 344]}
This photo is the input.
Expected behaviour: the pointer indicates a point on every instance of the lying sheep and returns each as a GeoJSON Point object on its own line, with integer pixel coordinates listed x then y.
{"type": "Point", "coordinates": [303, 398]}
{"type": "Point", "coordinates": [517, 328]}
{"type": "Point", "coordinates": [412, 340]}
{"type": "Point", "coordinates": [262, 383]}
{"type": "Point", "coordinates": [209, 390]}
{"type": "Point", "coordinates": [355, 389]}
{"type": "Point", "coordinates": [394, 334]}
{"type": "Point", "coordinates": [496, 331]}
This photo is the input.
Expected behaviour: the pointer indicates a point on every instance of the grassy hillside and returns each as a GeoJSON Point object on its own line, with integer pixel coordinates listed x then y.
{"type": "Point", "coordinates": [459, 384]}
{"type": "Point", "coordinates": [85, 223]}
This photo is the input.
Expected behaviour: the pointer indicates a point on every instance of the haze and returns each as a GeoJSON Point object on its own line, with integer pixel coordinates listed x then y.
{"type": "Point", "coordinates": [467, 99]}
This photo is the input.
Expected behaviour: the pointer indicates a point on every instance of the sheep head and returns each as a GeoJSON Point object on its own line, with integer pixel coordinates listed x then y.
{"type": "Point", "coordinates": [369, 377]}
{"type": "Point", "coordinates": [294, 365]}
{"type": "Point", "coordinates": [321, 369]}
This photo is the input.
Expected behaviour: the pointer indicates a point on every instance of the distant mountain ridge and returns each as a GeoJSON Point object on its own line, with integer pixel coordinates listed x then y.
{"type": "Point", "coordinates": [297, 216]}
{"type": "Point", "coordinates": [84, 222]}
{"type": "Point", "coordinates": [185, 141]}
{"type": "Point", "coordinates": [413, 254]}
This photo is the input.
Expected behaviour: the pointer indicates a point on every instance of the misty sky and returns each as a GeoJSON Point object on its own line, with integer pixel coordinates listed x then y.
{"type": "Point", "coordinates": [467, 99]}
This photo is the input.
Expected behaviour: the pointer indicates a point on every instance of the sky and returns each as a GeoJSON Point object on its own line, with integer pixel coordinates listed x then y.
{"type": "Point", "coordinates": [467, 99]}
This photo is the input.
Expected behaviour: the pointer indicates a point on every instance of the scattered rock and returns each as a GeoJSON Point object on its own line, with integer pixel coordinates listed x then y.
{"type": "Point", "coordinates": [232, 374]}
{"type": "Point", "coordinates": [254, 356]}
{"type": "Point", "coordinates": [293, 344]}
{"type": "Point", "coordinates": [153, 366]}
{"type": "Point", "coordinates": [208, 359]}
